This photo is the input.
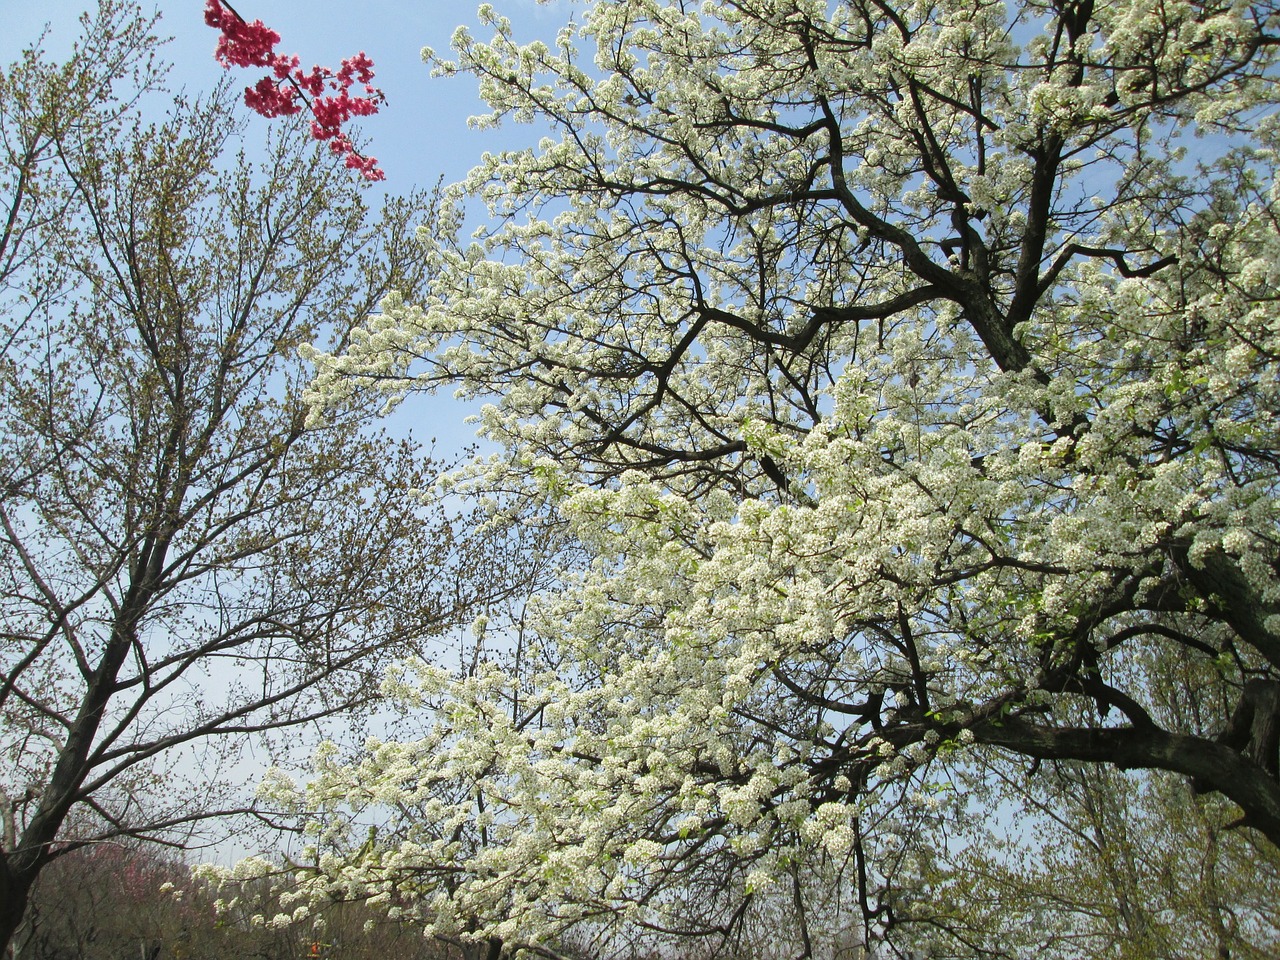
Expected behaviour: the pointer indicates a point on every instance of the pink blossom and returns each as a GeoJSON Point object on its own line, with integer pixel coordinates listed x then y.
{"type": "Point", "coordinates": [362, 106]}
{"type": "Point", "coordinates": [241, 44]}
{"type": "Point", "coordinates": [312, 83]}
{"type": "Point", "coordinates": [360, 66]}
{"type": "Point", "coordinates": [268, 99]}
{"type": "Point", "coordinates": [283, 66]}
{"type": "Point", "coordinates": [367, 166]}
{"type": "Point", "coordinates": [330, 112]}
{"type": "Point", "coordinates": [287, 89]}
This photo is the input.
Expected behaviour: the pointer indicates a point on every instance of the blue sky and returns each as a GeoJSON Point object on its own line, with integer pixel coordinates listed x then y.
{"type": "Point", "coordinates": [421, 133]}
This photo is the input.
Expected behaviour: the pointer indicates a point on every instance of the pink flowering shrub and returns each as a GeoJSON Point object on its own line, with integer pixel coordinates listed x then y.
{"type": "Point", "coordinates": [287, 89]}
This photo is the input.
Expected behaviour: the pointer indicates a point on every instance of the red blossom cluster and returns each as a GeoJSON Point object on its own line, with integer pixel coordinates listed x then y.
{"type": "Point", "coordinates": [288, 88]}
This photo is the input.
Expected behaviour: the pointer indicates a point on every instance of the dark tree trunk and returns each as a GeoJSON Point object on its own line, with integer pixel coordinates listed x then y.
{"type": "Point", "coordinates": [15, 891]}
{"type": "Point", "coordinates": [20, 865]}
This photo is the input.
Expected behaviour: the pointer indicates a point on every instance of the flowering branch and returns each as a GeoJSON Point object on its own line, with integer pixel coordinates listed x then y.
{"type": "Point", "coordinates": [288, 88]}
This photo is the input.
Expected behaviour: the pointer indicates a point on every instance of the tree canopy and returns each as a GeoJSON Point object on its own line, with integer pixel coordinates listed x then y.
{"type": "Point", "coordinates": [187, 564]}
{"type": "Point", "coordinates": [910, 370]}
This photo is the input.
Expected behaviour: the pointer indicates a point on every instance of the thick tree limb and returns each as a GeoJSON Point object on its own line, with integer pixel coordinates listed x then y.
{"type": "Point", "coordinates": [1215, 766]}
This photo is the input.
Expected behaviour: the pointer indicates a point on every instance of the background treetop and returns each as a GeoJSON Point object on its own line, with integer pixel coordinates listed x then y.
{"type": "Point", "coordinates": [190, 570]}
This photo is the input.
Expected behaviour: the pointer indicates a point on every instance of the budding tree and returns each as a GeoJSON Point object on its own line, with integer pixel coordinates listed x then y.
{"type": "Point", "coordinates": [187, 563]}
{"type": "Point", "coordinates": [911, 371]}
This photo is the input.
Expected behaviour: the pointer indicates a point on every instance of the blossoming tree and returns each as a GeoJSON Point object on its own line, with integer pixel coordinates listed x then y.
{"type": "Point", "coordinates": [911, 370]}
